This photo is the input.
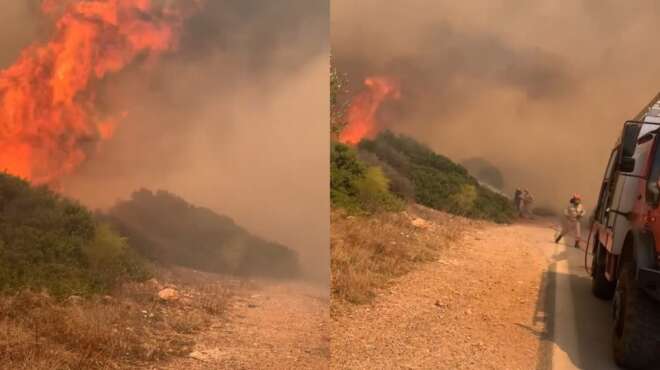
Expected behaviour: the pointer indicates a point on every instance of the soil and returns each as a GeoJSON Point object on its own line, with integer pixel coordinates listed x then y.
{"type": "Point", "coordinates": [267, 325]}
{"type": "Point", "coordinates": [475, 307]}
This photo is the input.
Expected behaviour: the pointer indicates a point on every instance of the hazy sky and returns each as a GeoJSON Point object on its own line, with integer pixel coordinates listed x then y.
{"type": "Point", "coordinates": [540, 88]}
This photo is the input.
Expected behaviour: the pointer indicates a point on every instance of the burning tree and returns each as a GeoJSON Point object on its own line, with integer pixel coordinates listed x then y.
{"type": "Point", "coordinates": [361, 115]}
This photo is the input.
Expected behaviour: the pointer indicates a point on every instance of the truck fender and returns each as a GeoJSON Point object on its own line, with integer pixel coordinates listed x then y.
{"type": "Point", "coordinates": [644, 251]}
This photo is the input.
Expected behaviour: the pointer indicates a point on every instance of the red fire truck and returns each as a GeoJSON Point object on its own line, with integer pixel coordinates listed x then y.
{"type": "Point", "coordinates": [625, 267]}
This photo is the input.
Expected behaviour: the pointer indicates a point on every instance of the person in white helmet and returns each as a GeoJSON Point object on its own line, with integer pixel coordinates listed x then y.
{"type": "Point", "coordinates": [572, 216]}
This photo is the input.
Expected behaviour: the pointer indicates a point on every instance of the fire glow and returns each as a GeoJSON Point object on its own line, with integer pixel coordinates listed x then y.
{"type": "Point", "coordinates": [48, 122]}
{"type": "Point", "coordinates": [361, 115]}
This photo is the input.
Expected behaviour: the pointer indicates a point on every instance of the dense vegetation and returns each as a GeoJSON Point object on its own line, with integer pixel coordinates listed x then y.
{"type": "Point", "coordinates": [437, 182]}
{"type": "Point", "coordinates": [50, 242]}
{"type": "Point", "coordinates": [165, 228]}
{"type": "Point", "coordinates": [358, 187]}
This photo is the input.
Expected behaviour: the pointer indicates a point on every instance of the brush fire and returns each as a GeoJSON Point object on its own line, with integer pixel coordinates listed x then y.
{"type": "Point", "coordinates": [361, 115]}
{"type": "Point", "coordinates": [48, 120]}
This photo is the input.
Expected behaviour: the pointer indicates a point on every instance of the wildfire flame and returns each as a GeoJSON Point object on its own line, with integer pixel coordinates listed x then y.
{"type": "Point", "coordinates": [48, 124]}
{"type": "Point", "coordinates": [361, 115]}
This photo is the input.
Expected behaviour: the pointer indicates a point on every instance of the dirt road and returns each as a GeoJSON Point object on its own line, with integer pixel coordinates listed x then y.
{"type": "Point", "coordinates": [269, 325]}
{"type": "Point", "coordinates": [505, 297]}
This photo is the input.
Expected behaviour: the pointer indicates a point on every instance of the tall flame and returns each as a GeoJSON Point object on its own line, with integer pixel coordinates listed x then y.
{"type": "Point", "coordinates": [361, 115]}
{"type": "Point", "coordinates": [47, 119]}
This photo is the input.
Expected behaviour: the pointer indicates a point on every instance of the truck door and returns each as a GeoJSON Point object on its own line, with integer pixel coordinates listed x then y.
{"type": "Point", "coordinates": [627, 192]}
{"type": "Point", "coordinates": [606, 190]}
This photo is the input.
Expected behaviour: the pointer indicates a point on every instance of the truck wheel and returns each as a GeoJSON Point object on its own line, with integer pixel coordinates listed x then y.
{"type": "Point", "coordinates": [600, 286]}
{"type": "Point", "coordinates": [636, 323]}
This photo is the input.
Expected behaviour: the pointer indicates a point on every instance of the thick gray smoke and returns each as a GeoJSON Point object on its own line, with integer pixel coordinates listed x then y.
{"type": "Point", "coordinates": [235, 120]}
{"type": "Point", "coordinates": [540, 88]}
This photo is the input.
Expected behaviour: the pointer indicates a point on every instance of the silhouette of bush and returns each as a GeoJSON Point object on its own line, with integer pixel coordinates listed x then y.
{"type": "Point", "coordinates": [166, 228]}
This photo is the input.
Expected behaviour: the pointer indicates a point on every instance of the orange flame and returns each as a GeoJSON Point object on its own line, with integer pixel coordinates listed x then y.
{"type": "Point", "coordinates": [47, 118]}
{"type": "Point", "coordinates": [361, 116]}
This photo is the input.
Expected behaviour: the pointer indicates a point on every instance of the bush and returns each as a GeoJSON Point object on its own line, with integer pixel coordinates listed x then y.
{"type": "Point", "coordinates": [166, 228]}
{"type": "Point", "coordinates": [111, 259]}
{"type": "Point", "coordinates": [357, 187]}
{"type": "Point", "coordinates": [399, 184]}
{"type": "Point", "coordinates": [53, 243]}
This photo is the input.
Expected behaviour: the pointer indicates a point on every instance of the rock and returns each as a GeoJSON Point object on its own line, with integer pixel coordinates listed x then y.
{"type": "Point", "coordinates": [74, 299]}
{"type": "Point", "coordinates": [168, 294]}
{"type": "Point", "coordinates": [153, 283]}
{"type": "Point", "coordinates": [209, 355]}
{"type": "Point", "coordinates": [107, 299]}
{"type": "Point", "coordinates": [420, 223]}
{"type": "Point", "coordinates": [197, 355]}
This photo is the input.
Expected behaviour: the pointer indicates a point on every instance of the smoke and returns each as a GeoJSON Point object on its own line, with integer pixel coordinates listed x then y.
{"type": "Point", "coordinates": [234, 120]}
{"type": "Point", "coordinates": [540, 88]}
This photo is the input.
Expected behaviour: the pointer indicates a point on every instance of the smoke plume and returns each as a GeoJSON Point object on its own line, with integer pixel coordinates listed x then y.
{"type": "Point", "coordinates": [233, 120]}
{"type": "Point", "coordinates": [540, 88]}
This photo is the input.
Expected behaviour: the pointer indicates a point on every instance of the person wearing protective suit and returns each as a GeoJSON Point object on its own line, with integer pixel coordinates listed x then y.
{"type": "Point", "coordinates": [517, 201]}
{"type": "Point", "coordinates": [572, 216]}
{"type": "Point", "coordinates": [527, 200]}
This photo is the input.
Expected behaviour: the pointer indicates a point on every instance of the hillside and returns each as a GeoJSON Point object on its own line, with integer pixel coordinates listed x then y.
{"type": "Point", "coordinates": [436, 181]}
{"type": "Point", "coordinates": [165, 228]}
{"type": "Point", "coordinates": [386, 171]}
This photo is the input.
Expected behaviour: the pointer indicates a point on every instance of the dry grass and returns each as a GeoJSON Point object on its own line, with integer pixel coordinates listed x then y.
{"type": "Point", "coordinates": [130, 329]}
{"type": "Point", "coordinates": [369, 251]}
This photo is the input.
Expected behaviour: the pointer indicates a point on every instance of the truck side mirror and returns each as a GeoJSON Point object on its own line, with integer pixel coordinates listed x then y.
{"type": "Point", "coordinates": [629, 139]}
{"type": "Point", "coordinates": [627, 164]}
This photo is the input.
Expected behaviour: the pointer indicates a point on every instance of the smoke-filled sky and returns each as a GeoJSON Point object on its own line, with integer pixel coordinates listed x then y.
{"type": "Point", "coordinates": [540, 88]}
{"type": "Point", "coordinates": [235, 120]}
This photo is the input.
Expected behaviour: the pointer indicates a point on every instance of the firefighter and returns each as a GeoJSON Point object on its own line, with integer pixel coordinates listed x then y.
{"type": "Point", "coordinates": [527, 201]}
{"type": "Point", "coordinates": [571, 222]}
{"type": "Point", "coordinates": [517, 201]}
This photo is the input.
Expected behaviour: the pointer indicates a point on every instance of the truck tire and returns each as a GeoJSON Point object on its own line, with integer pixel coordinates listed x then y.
{"type": "Point", "coordinates": [636, 323]}
{"type": "Point", "coordinates": [600, 286]}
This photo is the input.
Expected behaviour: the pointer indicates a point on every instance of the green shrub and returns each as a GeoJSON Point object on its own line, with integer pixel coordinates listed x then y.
{"type": "Point", "coordinates": [46, 242]}
{"type": "Point", "coordinates": [111, 259]}
{"type": "Point", "coordinates": [345, 172]}
{"type": "Point", "coordinates": [357, 187]}
{"type": "Point", "coordinates": [399, 184]}
{"type": "Point", "coordinates": [373, 192]}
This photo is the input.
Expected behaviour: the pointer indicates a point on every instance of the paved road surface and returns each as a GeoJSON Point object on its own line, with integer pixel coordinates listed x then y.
{"type": "Point", "coordinates": [580, 324]}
